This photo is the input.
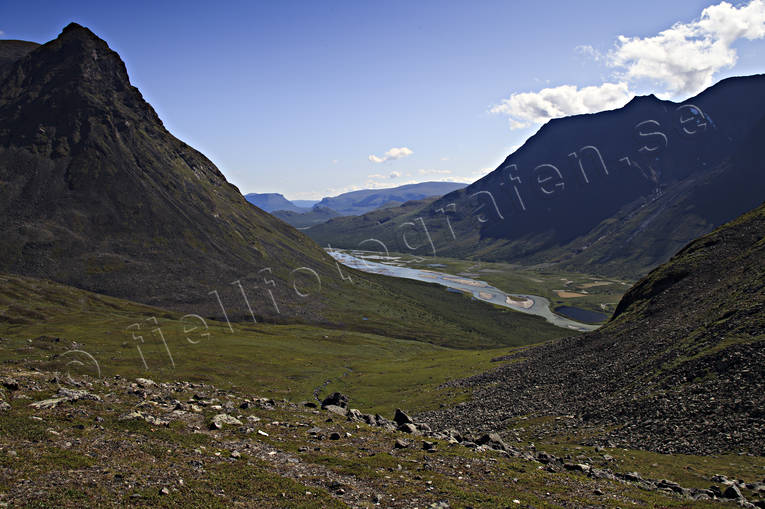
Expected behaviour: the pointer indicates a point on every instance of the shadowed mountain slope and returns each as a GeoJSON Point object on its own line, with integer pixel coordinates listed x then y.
{"type": "Point", "coordinates": [97, 194]}
{"type": "Point", "coordinates": [677, 370]}
{"type": "Point", "coordinates": [615, 193]}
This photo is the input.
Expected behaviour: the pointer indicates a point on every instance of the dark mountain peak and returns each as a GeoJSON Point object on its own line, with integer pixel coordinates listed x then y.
{"type": "Point", "coordinates": [77, 61]}
{"type": "Point", "coordinates": [76, 31]}
{"type": "Point", "coordinates": [68, 89]}
{"type": "Point", "coordinates": [643, 99]}
{"type": "Point", "coordinates": [79, 48]}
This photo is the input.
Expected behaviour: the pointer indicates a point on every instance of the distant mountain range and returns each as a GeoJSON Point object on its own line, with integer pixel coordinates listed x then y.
{"type": "Point", "coordinates": [355, 203]}
{"type": "Point", "coordinates": [304, 204]}
{"type": "Point", "coordinates": [273, 201]}
{"type": "Point", "coordinates": [347, 204]}
{"type": "Point", "coordinates": [616, 192]}
{"type": "Point", "coordinates": [303, 220]}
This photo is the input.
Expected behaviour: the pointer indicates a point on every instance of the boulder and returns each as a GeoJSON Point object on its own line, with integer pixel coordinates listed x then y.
{"type": "Point", "coordinates": [335, 409]}
{"type": "Point", "coordinates": [453, 433]}
{"type": "Point", "coordinates": [355, 415]}
{"type": "Point", "coordinates": [577, 467]}
{"type": "Point", "coordinates": [732, 492]}
{"type": "Point", "coordinates": [492, 440]}
{"type": "Point", "coordinates": [47, 403]}
{"type": "Point", "coordinates": [407, 427]}
{"type": "Point", "coordinates": [221, 420]}
{"type": "Point", "coordinates": [401, 417]}
{"type": "Point", "coordinates": [144, 382]}
{"type": "Point", "coordinates": [336, 399]}
{"type": "Point", "coordinates": [400, 444]}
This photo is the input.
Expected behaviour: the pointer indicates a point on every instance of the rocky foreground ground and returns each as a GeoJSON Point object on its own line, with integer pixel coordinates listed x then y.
{"type": "Point", "coordinates": [112, 441]}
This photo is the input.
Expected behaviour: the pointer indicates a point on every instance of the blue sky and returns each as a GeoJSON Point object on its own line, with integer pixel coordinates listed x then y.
{"type": "Point", "coordinates": [316, 98]}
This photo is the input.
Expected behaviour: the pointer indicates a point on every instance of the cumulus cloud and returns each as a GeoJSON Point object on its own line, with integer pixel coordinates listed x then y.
{"type": "Point", "coordinates": [681, 60]}
{"type": "Point", "coordinates": [528, 108]}
{"type": "Point", "coordinates": [685, 57]}
{"type": "Point", "coordinates": [394, 153]}
{"type": "Point", "coordinates": [394, 175]}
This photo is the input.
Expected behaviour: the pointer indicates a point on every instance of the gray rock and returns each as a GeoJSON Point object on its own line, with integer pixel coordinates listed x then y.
{"type": "Point", "coordinates": [221, 420]}
{"type": "Point", "coordinates": [46, 403]}
{"type": "Point", "coordinates": [453, 433]}
{"type": "Point", "coordinates": [492, 440]}
{"type": "Point", "coordinates": [407, 428]}
{"type": "Point", "coordinates": [577, 467]}
{"type": "Point", "coordinates": [145, 382]}
{"type": "Point", "coordinates": [400, 444]}
{"type": "Point", "coordinates": [401, 417]}
{"type": "Point", "coordinates": [336, 410]}
{"type": "Point", "coordinates": [423, 427]}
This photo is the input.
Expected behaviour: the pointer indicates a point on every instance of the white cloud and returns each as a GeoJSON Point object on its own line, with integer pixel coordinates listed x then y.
{"type": "Point", "coordinates": [589, 51]}
{"type": "Point", "coordinates": [335, 161]}
{"type": "Point", "coordinates": [376, 176]}
{"type": "Point", "coordinates": [528, 108]}
{"type": "Point", "coordinates": [681, 60]}
{"type": "Point", "coordinates": [394, 175]}
{"type": "Point", "coordinates": [435, 172]}
{"type": "Point", "coordinates": [685, 57]}
{"type": "Point", "coordinates": [444, 158]}
{"type": "Point", "coordinates": [394, 153]}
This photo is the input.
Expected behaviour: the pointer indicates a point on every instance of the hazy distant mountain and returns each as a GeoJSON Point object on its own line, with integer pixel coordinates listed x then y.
{"type": "Point", "coordinates": [305, 204]}
{"type": "Point", "coordinates": [301, 220]}
{"type": "Point", "coordinates": [273, 201]}
{"type": "Point", "coordinates": [616, 192]}
{"type": "Point", "coordinates": [358, 202]}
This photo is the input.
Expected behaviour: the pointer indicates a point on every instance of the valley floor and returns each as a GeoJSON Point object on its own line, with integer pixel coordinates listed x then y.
{"type": "Point", "coordinates": [597, 296]}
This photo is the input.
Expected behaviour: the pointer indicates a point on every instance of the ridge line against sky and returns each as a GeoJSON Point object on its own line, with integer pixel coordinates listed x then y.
{"type": "Point", "coordinates": [312, 99]}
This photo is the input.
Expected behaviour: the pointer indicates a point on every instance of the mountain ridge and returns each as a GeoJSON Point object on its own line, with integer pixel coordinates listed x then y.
{"type": "Point", "coordinates": [529, 210]}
